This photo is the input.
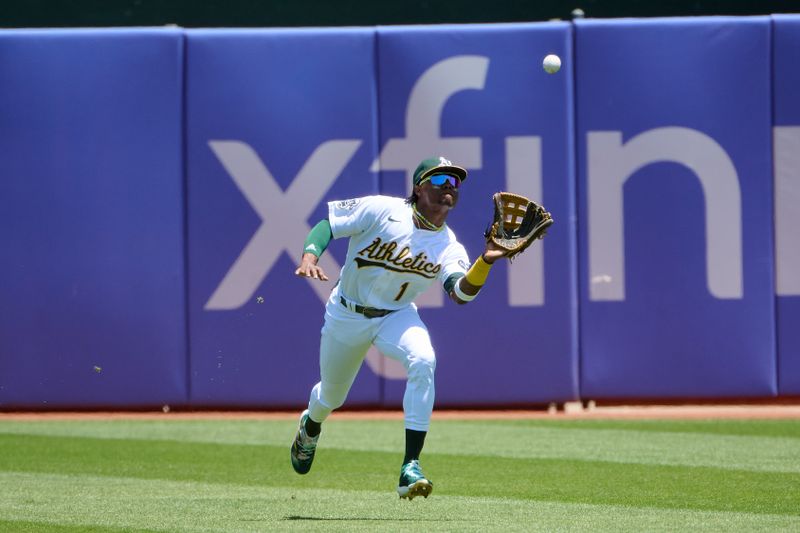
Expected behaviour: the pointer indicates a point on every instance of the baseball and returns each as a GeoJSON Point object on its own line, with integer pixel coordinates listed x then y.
{"type": "Point", "coordinates": [551, 64]}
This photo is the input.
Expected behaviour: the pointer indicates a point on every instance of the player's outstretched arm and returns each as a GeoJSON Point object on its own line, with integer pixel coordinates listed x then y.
{"type": "Point", "coordinates": [316, 243]}
{"type": "Point", "coordinates": [466, 288]}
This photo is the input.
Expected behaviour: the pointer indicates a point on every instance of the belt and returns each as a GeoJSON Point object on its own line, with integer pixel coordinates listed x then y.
{"type": "Point", "coordinates": [369, 312]}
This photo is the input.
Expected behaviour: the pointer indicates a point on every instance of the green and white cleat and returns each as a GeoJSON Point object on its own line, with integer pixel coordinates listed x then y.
{"type": "Point", "coordinates": [303, 447]}
{"type": "Point", "coordinates": [413, 482]}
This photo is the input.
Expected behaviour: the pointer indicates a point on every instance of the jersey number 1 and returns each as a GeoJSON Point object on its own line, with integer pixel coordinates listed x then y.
{"type": "Point", "coordinates": [403, 288]}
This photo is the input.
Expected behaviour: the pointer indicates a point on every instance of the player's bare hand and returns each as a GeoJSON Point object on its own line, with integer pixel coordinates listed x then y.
{"type": "Point", "coordinates": [493, 252]}
{"type": "Point", "coordinates": [309, 269]}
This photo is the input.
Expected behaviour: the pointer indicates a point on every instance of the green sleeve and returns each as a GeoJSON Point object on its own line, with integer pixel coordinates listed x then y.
{"type": "Point", "coordinates": [318, 238]}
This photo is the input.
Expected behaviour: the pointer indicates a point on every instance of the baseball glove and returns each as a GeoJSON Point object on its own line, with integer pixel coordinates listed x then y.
{"type": "Point", "coordinates": [518, 222]}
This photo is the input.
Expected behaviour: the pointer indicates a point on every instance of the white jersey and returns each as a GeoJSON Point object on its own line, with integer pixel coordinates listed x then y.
{"type": "Point", "coordinates": [389, 260]}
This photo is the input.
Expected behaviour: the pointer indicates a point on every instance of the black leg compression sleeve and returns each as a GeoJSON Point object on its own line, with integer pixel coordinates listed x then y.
{"type": "Point", "coordinates": [415, 440]}
{"type": "Point", "coordinates": [312, 428]}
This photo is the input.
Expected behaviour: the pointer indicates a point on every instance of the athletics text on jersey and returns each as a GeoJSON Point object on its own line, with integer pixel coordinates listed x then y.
{"type": "Point", "coordinates": [389, 260]}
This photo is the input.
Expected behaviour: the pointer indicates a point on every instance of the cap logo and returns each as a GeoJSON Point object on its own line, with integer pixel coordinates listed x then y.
{"type": "Point", "coordinates": [445, 162]}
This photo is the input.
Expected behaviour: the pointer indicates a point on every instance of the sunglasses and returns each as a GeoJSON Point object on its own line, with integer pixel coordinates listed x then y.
{"type": "Point", "coordinates": [437, 180]}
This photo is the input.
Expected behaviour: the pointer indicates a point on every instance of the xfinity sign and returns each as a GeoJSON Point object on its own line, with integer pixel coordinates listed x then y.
{"type": "Point", "coordinates": [610, 163]}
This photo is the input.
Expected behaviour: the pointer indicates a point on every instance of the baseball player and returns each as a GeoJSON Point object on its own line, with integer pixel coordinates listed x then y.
{"type": "Point", "coordinates": [398, 248]}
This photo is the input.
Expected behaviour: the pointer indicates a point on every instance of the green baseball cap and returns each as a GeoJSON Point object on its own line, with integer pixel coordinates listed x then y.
{"type": "Point", "coordinates": [437, 165]}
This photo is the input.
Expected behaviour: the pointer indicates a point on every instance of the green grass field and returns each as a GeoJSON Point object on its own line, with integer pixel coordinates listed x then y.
{"type": "Point", "coordinates": [498, 475]}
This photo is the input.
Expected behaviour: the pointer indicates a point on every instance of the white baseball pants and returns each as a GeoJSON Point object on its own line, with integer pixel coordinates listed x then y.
{"type": "Point", "coordinates": [346, 337]}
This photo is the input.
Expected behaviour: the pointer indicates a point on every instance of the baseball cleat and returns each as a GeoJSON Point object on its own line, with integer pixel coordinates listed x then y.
{"type": "Point", "coordinates": [413, 482]}
{"type": "Point", "coordinates": [303, 447]}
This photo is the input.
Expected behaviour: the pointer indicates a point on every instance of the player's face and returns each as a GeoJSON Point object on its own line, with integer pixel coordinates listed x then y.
{"type": "Point", "coordinates": [439, 190]}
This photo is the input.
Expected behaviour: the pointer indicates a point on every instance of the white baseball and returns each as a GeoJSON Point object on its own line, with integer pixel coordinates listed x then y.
{"type": "Point", "coordinates": [551, 64]}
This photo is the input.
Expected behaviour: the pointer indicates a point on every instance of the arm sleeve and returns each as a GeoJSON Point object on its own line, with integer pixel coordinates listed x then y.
{"type": "Point", "coordinates": [318, 238]}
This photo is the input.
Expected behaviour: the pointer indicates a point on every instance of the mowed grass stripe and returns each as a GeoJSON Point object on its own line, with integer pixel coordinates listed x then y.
{"type": "Point", "coordinates": [24, 526]}
{"type": "Point", "coordinates": [113, 503]}
{"type": "Point", "coordinates": [224, 428]}
{"type": "Point", "coordinates": [736, 452]}
{"type": "Point", "coordinates": [576, 481]}
{"type": "Point", "coordinates": [580, 440]}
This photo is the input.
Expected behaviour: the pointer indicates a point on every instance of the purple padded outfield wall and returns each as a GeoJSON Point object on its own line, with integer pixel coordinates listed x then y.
{"type": "Point", "coordinates": [786, 42]}
{"type": "Point", "coordinates": [156, 186]}
{"type": "Point", "coordinates": [677, 294]}
{"type": "Point", "coordinates": [91, 212]}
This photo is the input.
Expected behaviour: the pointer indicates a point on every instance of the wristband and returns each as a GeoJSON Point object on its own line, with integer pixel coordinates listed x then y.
{"type": "Point", "coordinates": [464, 297]}
{"type": "Point", "coordinates": [478, 272]}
